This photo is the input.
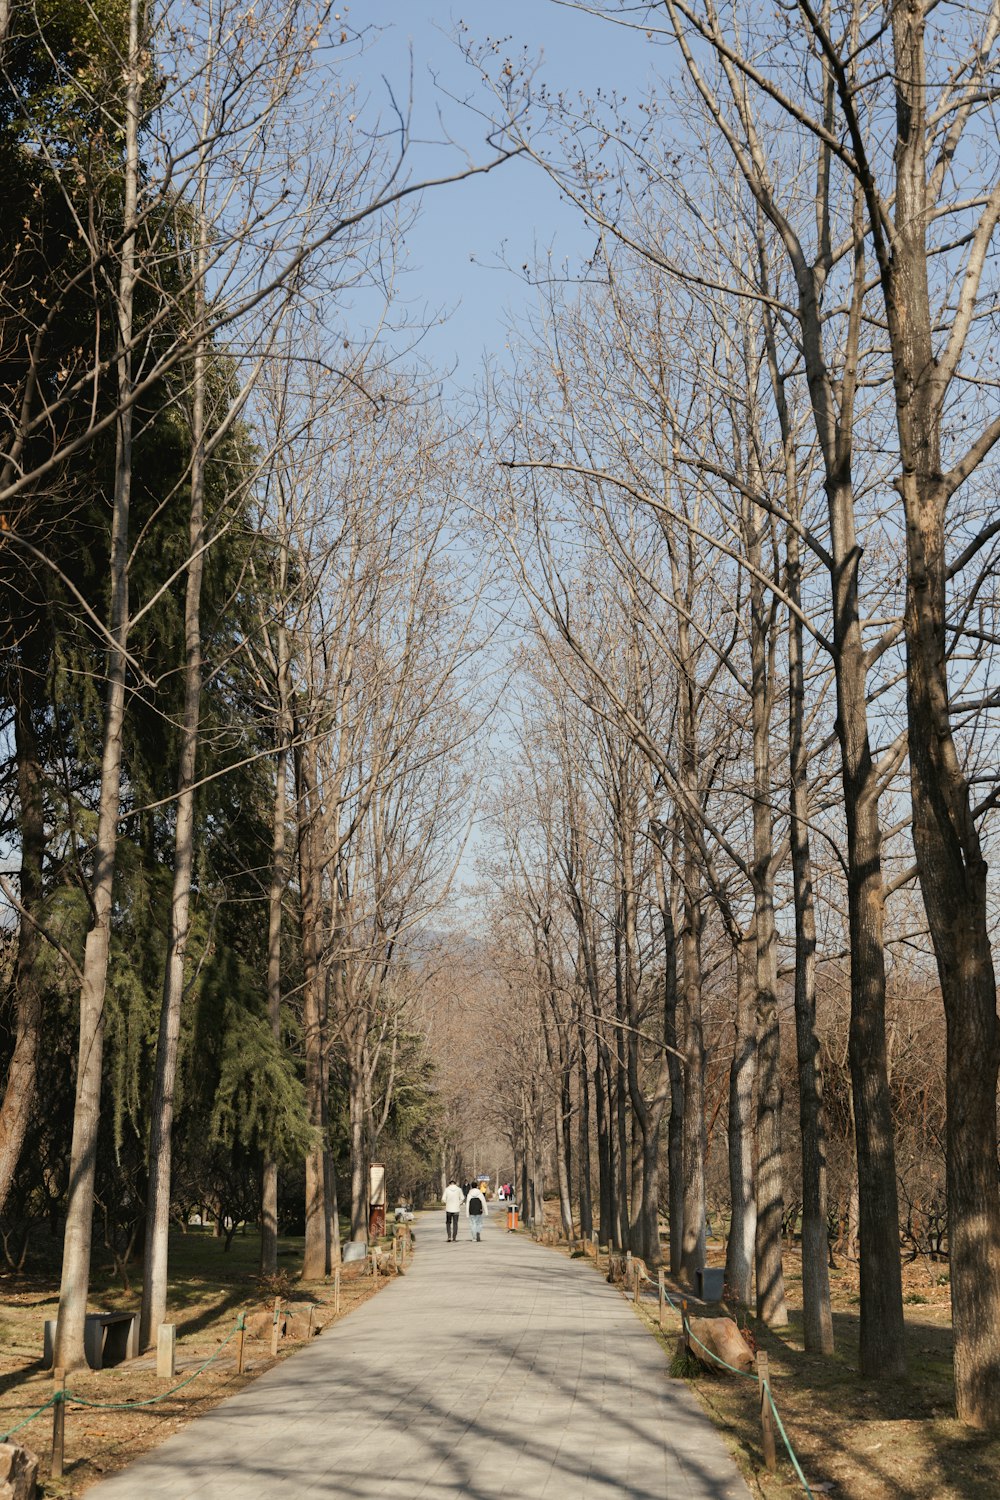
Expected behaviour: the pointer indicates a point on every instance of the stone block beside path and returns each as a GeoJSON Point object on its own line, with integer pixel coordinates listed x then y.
{"type": "Point", "coordinates": [18, 1472]}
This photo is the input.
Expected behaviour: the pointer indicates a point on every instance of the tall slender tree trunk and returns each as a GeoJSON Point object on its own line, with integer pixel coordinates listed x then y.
{"type": "Point", "coordinates": [675, 1128]}
{"type": "Point", "coordinates": [950, 861]}
{"type": "Point", "coordinates": [562, 1173]}
{"type": "Point", "coordinates": [882, 1349]}
{"type": "Point", "coordinates": [68, 1352]}
{"type": "Point", "coordinates": [583, 1158]}
{"type": "Point", "coordinates": [19, 1094]}
{"type": "Point", "coordinates": [356, 1112]}
{"type": "Point", "coordinates": [769, 1171]}
{"type": "Point", "coordinates": [333, 1209]}
{"type": "Point", "coordinates": [953, 882]}
{"type": "Point", "coordinates": [155, 1258]}
{"type": "Point", "coordinates": [742, 1197]}
{"type": "Point", "coordinates": [622, 1153]}
{"type": "Point", "coordinates": [566, 1124]}
{"type": "Point", "coordinates": [315, 1259]}
{"type": "Point", "coordinates": [275, 898]}
{"type": "Point", "coordinates": [538, 1152]}
{"type": "Point", "coordinates": [605, 1165]}
{"type": "Point", "coordinates": [694, 1211]}
{"type": "Point", "coordinates": [817, 1315]}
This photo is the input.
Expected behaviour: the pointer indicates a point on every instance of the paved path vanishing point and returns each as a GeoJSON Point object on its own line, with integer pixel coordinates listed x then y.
{"type": "Point", "coordinates": [491, 1369]}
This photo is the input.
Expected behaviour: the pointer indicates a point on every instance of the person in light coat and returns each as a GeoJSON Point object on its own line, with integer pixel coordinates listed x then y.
{"type": "Point", "coordinates": [452, 1205]}
{"type": "Point", "coordinates": [475, 1207]}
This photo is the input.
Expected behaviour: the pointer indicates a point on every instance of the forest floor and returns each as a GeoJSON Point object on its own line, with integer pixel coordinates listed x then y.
{"type": "Point", "coordinates": [855, 1439]}
{"type": "Point", "coordinates": [208, 1288]}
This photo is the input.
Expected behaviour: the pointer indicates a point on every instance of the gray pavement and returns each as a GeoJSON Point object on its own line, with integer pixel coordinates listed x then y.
{"type": "Point", "coordinates": [491, 1369]}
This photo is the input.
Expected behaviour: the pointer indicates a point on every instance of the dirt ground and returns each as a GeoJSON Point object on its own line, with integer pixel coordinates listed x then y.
{"type": "Point", "coordinates": [209, 1287]}
{"type": "Point", "coordinates": [855, 1439]}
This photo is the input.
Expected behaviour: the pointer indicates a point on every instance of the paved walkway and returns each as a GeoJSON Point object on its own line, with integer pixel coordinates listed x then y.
{"type": "Point", "coordinates": [491, 1369]}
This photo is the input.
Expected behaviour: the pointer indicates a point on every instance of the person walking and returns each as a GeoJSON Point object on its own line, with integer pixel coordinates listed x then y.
{"type": "Point", "coordinates": [475, 1207]}
{"type": "Point", "coordinates": [452, 1205]}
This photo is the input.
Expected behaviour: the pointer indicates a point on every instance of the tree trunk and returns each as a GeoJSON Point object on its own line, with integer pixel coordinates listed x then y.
{"type": "Point", "coordinates": [19, 1095]}
{"type": "Point", "coordinates": [769, 1174]}
{"type": "Point", "coordinates": [275, 897]}
{"type": "Point", "coordinates": [622, 1153]}
{"type": "Point", "coordinates": [583, 1165]}
{"type": "Point", "coordinates": [359, 1183]}
{"type": "Point", "coordinates": [953, 883]}
{"type": "Point", "coordinates": [315, 1258]}
{"type": "Point", "coordinates": [743, 1223]}
{"type": "Point", "coordinates": [562, 1174]}
{"type": "Point", "coordinates": [694, 1235]}
{"type": "Point", "coordinates": [68, 1352]}
{"type": "Point", "coordinates": [950, 862]}
{"type": "Point", "coordinates": [882, 1349]}
{"type": "Point", "coordinates": [817, 1316]}
{"type": "Point", "coordinates": [675, 1133]}
{"type": "Point", "coordinates": [153, 1309]}
{"type": "Point", "coordinates": [605, 1167]}
{"type": "Point", "coordinates": [538, 1153]}
{"type": "Point", "coordinates": [335, 1242]}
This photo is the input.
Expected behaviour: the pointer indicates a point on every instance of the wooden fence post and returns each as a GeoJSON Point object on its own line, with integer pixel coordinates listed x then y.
{"type": "Point", "coordinates": [58, 1425]}
{"type": "Point", "coordinates": [241, 1334]}
{"type": "Point", "coordinates": [662, 1295]}
{"type": "Point", "coordinates": [684, 1325]}
{"type": "Point", "coordinates": [766, 1415]}
{"type": "Point", "coordinates": [637, 1284]}
{"type": "Point", "coordinates": [336, 1292]}
{"type": "Point", "coordinates": [274, 1327]}
{"type": "Point", "coordinates": [309, 1325]}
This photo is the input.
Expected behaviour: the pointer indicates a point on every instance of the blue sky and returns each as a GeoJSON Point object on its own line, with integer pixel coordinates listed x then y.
{"type": "Point", "coordinates": [453, 253]}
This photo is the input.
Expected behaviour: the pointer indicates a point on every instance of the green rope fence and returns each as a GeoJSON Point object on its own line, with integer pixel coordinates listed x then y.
{"type": "Point", "coordinates": [161, 1395]}
{"type": "Point", "coordinates": [52, 1401]}
{"type": "Point", "coordinates": [689, 1335]}
{"type": "Point", "coordinates": [66, 1395]}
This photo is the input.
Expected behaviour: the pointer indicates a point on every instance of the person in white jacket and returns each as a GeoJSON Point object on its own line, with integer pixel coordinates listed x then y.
{"type": "Point", "coordinates": [475, 1207]}
{"type": "Point", "coordinates": [452, 1204]}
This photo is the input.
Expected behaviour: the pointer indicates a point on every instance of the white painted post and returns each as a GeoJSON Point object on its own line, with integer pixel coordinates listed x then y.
{"type": "Point", "coordinates": [166, 1351]}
